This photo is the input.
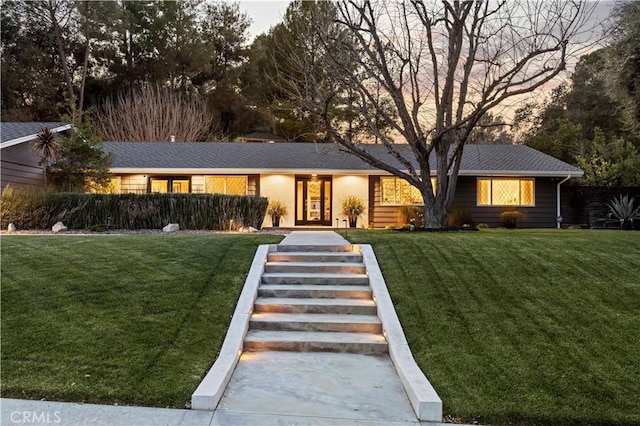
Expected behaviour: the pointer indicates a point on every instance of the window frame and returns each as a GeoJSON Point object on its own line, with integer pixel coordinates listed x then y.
{"type": "Point", "coordinates": [520, 180]}
{"type": "Point", "coordinates": [169, 180]}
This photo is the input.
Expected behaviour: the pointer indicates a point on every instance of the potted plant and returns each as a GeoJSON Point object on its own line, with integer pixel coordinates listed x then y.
{"type": "Point", "coordinates": [352, 208]}
{"type": "Point", "coordinates": [276, 210]}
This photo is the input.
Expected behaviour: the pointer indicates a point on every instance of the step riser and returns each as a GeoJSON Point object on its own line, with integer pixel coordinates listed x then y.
{"type": "Point", "coordinates": [316, 249]}
{"type": "Point", "coordinates": [315, 309]}
{"type": "Point", "coordinates": [316, 280]}
{"type": "Point", "coordinates": [316, 269]}
{"type": "Point", "coordinates": [361, 348]}
{"type": "Point", "coordinates": [319, 293]}
{"type": "Point", "coordinates": [315, 326]}
{"type": "Point", "coordinates": [314, 257]}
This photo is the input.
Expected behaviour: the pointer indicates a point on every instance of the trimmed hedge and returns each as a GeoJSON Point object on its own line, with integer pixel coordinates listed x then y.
{"type": "Point", "coordinates": [31, 209]}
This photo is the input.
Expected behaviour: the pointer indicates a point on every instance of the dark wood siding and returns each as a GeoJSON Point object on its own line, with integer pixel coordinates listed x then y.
{"type": "Point", "coordinates": [542, 215]}
{"type": "Point", "coordinates": [20, 167]}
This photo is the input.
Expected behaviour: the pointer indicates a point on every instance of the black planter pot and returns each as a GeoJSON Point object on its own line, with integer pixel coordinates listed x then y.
{"type": "Point", "coordinates": [353, 222]}
{"type": "Point", "coordinates": [275, 222]}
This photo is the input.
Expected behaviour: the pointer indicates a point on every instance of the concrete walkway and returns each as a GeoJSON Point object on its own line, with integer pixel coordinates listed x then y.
{"type": "Point", "coordinates": [288, 388]}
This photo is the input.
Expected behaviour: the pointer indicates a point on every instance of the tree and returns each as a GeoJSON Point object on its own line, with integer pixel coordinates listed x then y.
{"type": "Point", "coordinates": [443, 66]}
{"type": "Point", "coordinates": [47, 148]}
{"type": "Point", "coordinates": [81, 163]}
{"type": "Point", "coordinates": [154, 114]}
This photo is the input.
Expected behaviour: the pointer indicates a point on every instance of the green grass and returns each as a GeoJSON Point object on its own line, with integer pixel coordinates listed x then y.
{"type": "Point", "coordinates": [525, 327]}
{"type": "Point", "coordinates": [117, 319]}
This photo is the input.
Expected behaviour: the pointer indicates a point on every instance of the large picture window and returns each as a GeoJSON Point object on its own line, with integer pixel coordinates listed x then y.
{"type": "Point", "coordinates": [169, 184]}
{"type": "Point", "coordinates": [505, 192]}
{"type": "Point", "coordinates": [398, 192]}
{"type": "Point", "coordinates": [228, 185]}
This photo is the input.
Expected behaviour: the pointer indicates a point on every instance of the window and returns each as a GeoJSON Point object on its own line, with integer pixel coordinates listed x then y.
{"type": "Point", "coordinates": [167, 184]}
{"type": "Point", "coordinates": [505, 192]}
{"type": "Point", "coordinates": [229, 185]}
{"type": "Point", "coordinates": [396, 191]}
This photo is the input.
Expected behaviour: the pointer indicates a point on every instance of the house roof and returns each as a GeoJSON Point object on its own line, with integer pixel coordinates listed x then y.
{"type": "Point", "coordinates": [258, 136]}
{"type": "Point", "coordinates": [229, 157]}
{"type": "Point", "coordinates": [12, 133]}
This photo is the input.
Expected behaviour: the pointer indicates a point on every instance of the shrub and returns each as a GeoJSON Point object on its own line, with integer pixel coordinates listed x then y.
{"type": "Point", "coordinates": [509, 218]}
{"type": "Point", "coordinates": [23, 207]}
{"type": "Point", "coordinates": [460, 217]}
{"type": "Point", "coordinates": [132, 211]}
{"type": "Point", "coordinates": [411, 214]}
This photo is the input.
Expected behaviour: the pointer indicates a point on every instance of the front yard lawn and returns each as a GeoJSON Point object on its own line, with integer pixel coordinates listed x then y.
{"type": "Point", "coordinates": [134, 320]}
{"type": "Point", "coordinates": [527, 327]}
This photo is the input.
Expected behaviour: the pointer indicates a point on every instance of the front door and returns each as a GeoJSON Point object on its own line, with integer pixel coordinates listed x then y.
{"type": "Point", "coordinates": [313, 200]}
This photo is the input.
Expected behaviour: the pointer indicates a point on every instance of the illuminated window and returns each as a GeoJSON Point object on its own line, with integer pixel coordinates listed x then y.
{"type": "Point", "coordinates": [112, 187]}
{"type": "Point", "coordinates": [162, 185]}
{"type": "Point", "coordinates": [396, 191]}
{"type": "Point", "coordinates": [229, 185]}
{"type": "Point", "coordinates": [505, 192]}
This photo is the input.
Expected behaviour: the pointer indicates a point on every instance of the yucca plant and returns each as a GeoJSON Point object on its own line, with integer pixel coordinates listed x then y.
{"type": "Point", "coordinates": [46, 147]}
{"type": "Point", "coordinates": [623, 209]}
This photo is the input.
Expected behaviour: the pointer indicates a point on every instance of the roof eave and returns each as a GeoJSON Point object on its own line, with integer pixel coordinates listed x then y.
{"type": "Point", "coordinates": [28, 138]}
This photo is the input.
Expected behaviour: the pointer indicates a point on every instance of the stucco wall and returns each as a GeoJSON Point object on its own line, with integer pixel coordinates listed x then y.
{"type": "Point", "coordinates": [345, 185]}
{"type": "Point", "coordinates": [280, 187]}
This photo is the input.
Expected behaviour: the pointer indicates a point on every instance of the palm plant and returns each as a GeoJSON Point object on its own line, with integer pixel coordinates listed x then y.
{"type": "Point", "coordinates": [623, 209]}
{"type": "Point", "coordinates": [47, 148]}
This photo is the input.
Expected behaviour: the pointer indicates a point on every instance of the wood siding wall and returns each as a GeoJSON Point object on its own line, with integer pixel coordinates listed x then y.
{"type": "Point", "coordinates": [542, 215]}
{"type": "Point", "coordinates": [586, 205]}
{"type": "Point", "coordinates": [19, 167]}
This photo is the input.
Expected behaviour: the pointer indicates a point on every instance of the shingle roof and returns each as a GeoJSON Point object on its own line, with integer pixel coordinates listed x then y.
{"type": "Point", "coordinates": [11, 130]}
{"type": "Point", "coordinates": [476, 160]}
{"type": "Point", "coordinates": [263, 136]}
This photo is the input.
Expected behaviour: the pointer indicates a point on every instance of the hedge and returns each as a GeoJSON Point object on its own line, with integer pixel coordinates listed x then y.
{"type": "Point", "coordinates": [33, 209]}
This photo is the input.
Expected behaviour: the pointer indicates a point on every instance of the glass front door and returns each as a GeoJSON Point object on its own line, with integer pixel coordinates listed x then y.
{"type": "Point", "coordinates": [313, 200]}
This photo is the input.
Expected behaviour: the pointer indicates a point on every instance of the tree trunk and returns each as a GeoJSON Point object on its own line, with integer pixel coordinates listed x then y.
{"type": "Point", "coordinates": [85, 63]}
{"type": "Point", "coordinates": [63, 55]}
{"type": "Point", "coordinates": [434, 217]}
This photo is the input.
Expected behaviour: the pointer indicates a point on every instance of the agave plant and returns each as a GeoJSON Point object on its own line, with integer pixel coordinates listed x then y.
{"type": "Point", "coordinates": [623, 209]}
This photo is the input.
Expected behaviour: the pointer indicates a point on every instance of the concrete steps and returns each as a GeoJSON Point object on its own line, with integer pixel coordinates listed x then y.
{"type": "Point", "coordinates": [347, 257]}
{"type": "Point", "coordinates": [312, 290]}
{"type": "Point", "coordinates": [315, 298]}
{"type": "Point", "coordinates": [314, 278]}
{"type": "Point", "coordinates": [315, 341]}
{"type": "Point", "coordinates": [348, 323]}
{"type": "Point", "coordinates": [315, 267]}
{"type": "Point", "coordinates": [315, 306]}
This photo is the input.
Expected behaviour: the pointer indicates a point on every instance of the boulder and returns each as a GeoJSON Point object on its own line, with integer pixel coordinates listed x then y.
{"type": "Point", "coordinates": [11, 228]}
{"type": "Point", "coordinates": [249, 229]}
{"type": "Point", "coordinates": [58, 227]}
{"type": "Point", "coordinates": [172, 227]}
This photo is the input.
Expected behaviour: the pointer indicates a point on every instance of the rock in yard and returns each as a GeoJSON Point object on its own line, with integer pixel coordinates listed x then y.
{"type": "Point", "coordinates": [11, 228]}
{"type": "Point", "coordinates": [249, 229]}
{"type": "Point", "coordinates": [58, 227]}
{"type": "Point", "coordinates": [172, 227]}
